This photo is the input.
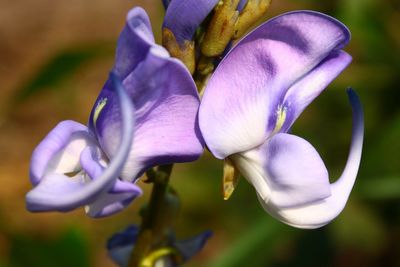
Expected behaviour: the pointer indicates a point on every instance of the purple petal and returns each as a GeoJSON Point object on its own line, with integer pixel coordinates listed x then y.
{"type": "Point", "coordinates": [59, 144]}
{"type": "Point", "coordinates": [190, 247]}
{"type": "Point", "coordinates": [41, 197]}
{"type": "Point", "coordinates": [134, 42]}
{"type": "Point", "coordinates": [242, 99]}
{"type": "Point", "coordinates": [49, 194]}
{"type": "Point", "coordinates": [108, 204]}
{"type": "Point", "coordinates": [303, 92]}
{"type": "Point", "coordinates": [184, 17]}
{"type": "Point", "coordinates": [319, 213]}
{"type": "Point", "coordinates": [117, 198]}
{"type": "Point", "coordinates": [166, 102]}
{"type": "Point", "coordinates": [120, 245]}
{"type": "Point", "coordinates": [286, 171]}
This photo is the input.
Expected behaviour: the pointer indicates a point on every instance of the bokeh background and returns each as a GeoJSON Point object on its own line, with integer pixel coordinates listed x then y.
{"type": "Point", "coordinates": [54, 58]}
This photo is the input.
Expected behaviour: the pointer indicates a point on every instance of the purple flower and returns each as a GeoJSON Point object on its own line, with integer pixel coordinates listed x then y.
{"type": "Point", "coordinates": [150, 98]}
{"type": "Point", "coordinates": [253, 98]}
{"type": "Point", "coordinates": [121, 244]}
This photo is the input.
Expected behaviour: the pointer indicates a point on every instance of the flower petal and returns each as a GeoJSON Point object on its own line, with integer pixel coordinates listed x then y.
{"type": "Point", "coordinates": [117, 198]}
{"type": "Point", "coordinates": [241, 102]}
{"type": "Point", "coordinates": [49, 194]}
{"type": "Point", "coordinates": [40, 198]}
{"type": "Point", "coordinates": [183, 17]}
{"type": "Point", "coordinates": [120, 245]}
{"type": "Point", "coordinates": [303, 92]}
{"type": "Point", "coordinates": [134, 42]}
{"type": "Point", "coordinates": [319, 213]}
{"type": "Point", "coordinates": [60, 149]}
{"type": "Point", "coordinates": [166, 102]}
{"type": "Point", "coordinates": [190, 247]}
{"type": "Point", "coordinates": [286, 171]}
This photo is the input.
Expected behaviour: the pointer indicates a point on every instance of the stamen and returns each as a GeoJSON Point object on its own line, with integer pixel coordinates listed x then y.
{"type": "Point", "coordinates": [72, 173]}
{"type": "Point", "coordinates": [100, 105]}
{"type": "Point", "coordinates": [280, 118]}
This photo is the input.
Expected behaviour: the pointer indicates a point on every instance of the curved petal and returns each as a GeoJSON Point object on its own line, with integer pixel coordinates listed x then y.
{"type": "Point", "coordinates": [303, 92]}
{"type": "Point", "coordinates": [53, 185]}
{"type": "Point", "coordinates": [319, 213]}
{"type": "Point", "coordinates": [59, 151]}
{"type": "Point", "coordinates": [45, 196]}
{"type": "Point", "coordinates": [134, 42]}
{"type": "Point", "coordinates": [120, 245]}
{"type": "Point", "coordinates": [241, 103]}
{"type": "Point", "coordinates": [190, 247]}
{"type": "Point", "coordinates": [166, 102]}
{"type": "Point", "coordinates": [183, 17]}
{"type": "Point", "coordinates": [117, 198]}
{"type": "Point", "coordinates": [286, 171]}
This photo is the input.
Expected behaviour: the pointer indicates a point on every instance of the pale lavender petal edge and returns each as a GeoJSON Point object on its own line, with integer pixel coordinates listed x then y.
{"type": "Point", "coordinates": [134, 42]}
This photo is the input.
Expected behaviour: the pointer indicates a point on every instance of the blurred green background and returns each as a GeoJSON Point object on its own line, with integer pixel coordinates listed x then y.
{"type": "Point", "coordinates": [54, 58]}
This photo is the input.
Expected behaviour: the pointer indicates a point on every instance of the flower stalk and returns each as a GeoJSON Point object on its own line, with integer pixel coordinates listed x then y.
{"type": "Point", "coordinates": [153, 224]}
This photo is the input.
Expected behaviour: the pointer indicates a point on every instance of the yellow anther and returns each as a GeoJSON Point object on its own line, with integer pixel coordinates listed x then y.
{"type": "Point", "coordinates": [280, 118]}
{"type": "Point", "coordinates": [230, 179]}
{"type": "Point", "coordinates": [184, 52]}
{"type": "Point", "coordinates": [253, 11]}
{"type": "Point", "coordinates": [100, 105]}
{"type": "Point", "coordinates": [221, 28]}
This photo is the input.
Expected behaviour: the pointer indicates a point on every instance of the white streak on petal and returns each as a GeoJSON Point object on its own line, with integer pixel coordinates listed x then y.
{"type": "Point", "coordinates": [67, 160]}
{"type": "Point", "coordinates": [54, 143]}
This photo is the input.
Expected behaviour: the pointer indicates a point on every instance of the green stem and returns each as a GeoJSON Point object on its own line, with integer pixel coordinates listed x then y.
{"type": "Point", "coordinates": [152, 228]}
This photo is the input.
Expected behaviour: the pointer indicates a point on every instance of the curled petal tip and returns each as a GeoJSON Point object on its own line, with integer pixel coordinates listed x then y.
{"type": "Point", "coordinates": [347, 179]}
{"type": "Point", "coordinates": [322, 212]}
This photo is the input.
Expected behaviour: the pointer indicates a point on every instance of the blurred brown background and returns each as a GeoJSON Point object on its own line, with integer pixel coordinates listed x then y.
{"type": "Point", "coordinates": [54, 59]}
